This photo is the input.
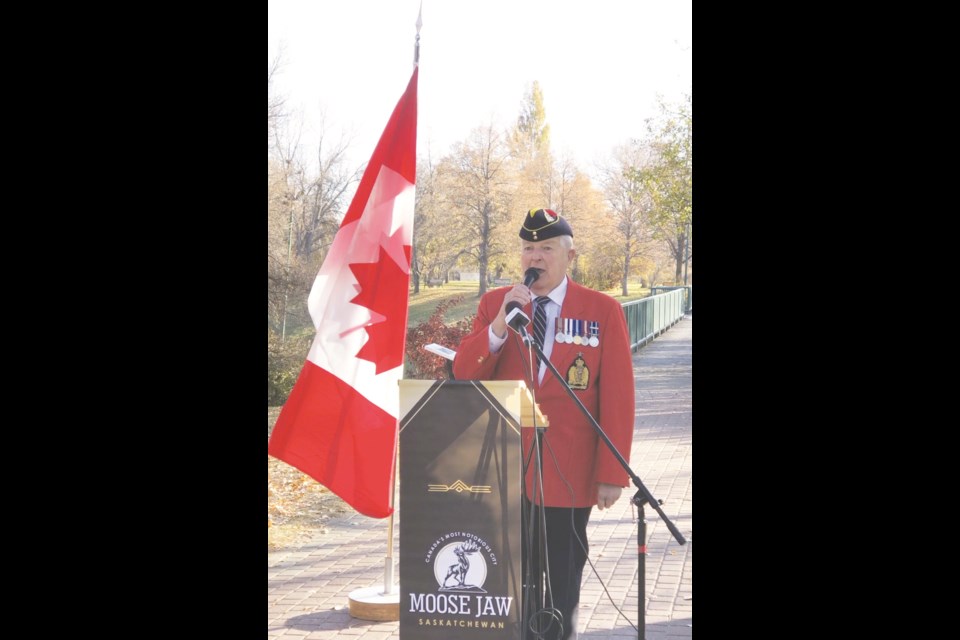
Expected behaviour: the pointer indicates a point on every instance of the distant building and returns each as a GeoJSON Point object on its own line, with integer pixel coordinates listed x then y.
{"type": "Point", "coordinates": [470, 276]}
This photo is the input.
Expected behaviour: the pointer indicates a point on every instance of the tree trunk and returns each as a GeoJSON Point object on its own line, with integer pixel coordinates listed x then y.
{"type": "Point", "coordinates": [414, 271]}
{"type": "Point", "coordinates": [678, 256]}
{"type": "Point", "coordinates": [626, 273]}
{"type": "Point", "coordinates": [484, 255]}
{"type": "Point", "coordinates": [482, 266]}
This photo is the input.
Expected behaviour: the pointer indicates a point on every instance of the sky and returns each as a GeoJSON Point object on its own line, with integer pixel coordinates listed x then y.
{"type": "Point", "coordinates": [601, 66]}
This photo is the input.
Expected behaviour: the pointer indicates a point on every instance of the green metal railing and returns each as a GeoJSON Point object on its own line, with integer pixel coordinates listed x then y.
{"type": "Point", "coordinates": [651, 316]}
{"type": "Point", "coordinates": [688, 294]}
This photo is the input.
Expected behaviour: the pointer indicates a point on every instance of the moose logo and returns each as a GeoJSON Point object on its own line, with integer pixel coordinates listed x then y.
{"type": "Point", "coordinates": [460, 567]}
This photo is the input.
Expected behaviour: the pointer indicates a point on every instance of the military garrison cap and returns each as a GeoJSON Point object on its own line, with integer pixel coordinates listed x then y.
{"type": "Point", "coordinates": [541, 224]}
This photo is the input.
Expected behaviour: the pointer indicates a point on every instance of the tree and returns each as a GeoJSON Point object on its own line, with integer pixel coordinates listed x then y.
{"type": "Point", "coordinates": [531, 136]}
{"type": "Point", "coordinates": [476, 186]}
{"type": "Point", "coordinates": [569, 192]}
{"type": "Point", "coordinates": [304, 209]}
{"type": "Point", "coordinates": [324, 198]}
{"type": "Point", "coordinates": [558, 184]}
{"type": "Point", "coordinates": [276, 104]}
{"type": "Point", "coordinates": [631, 204]}
{"type": "Point", "coordinates": [669, 179]}
{"type": "Point", "coordinates": [530, 155]}
{"type": "Point", "coordinates": [433, 254]}
{"type": "Point", "coordinates": [304, 213]}
{"type": "Point", "coordinates": [280, 199]}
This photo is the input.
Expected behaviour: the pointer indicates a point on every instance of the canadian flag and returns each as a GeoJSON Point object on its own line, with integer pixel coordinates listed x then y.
{"type": "Point", "coordinates": [339, 424]}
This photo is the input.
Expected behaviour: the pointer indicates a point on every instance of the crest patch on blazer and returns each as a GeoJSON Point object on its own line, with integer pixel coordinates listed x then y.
{"type": "Point", "coordinates": [578, 375]}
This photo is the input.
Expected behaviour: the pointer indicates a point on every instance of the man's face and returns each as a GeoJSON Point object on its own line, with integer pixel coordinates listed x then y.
{"type": "Point", "coordinates": [550, 258]}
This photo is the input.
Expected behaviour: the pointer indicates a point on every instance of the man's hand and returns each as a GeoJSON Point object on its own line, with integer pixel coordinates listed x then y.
{"type": "Point", "coordinates": [607, 495]}
{"type": "Point", "coordinates": [519, 294]}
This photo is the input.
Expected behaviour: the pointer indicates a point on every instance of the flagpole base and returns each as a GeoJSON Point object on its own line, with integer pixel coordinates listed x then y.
{"type": "Point", "coordinates": [371, 603]}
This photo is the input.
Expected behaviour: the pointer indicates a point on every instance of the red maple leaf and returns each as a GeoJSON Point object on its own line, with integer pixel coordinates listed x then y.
{"type": "Point", "coordinates": [383, 290]}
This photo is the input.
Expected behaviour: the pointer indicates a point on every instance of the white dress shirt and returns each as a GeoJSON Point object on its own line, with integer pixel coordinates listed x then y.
{"type": "Point", "coordinates": [553, 310]}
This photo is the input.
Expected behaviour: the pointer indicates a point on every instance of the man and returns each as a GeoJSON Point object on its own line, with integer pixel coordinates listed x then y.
{"type": "Point", "coordinates": [569, 469]}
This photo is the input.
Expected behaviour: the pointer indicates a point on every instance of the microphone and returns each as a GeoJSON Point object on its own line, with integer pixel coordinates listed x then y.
{"type": "Point", "coordinates": [516, 318]}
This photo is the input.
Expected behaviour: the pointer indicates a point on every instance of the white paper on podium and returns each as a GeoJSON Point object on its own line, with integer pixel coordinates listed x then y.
{"type": "Point", "coordinates": [440, 350]}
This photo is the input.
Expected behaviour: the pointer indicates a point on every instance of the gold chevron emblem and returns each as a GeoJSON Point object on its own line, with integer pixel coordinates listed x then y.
{"type": "Point", "coordinates": [459, 486]}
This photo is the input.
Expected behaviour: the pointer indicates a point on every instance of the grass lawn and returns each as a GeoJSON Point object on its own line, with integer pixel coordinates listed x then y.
{"type": "Point", "coordinates": [421, 305]}
{"type": "Point", "coordinates": [425, 302]}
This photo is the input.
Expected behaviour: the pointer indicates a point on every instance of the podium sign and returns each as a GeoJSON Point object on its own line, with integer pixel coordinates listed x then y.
{"type": "Point", "coordinates": [459, 511]}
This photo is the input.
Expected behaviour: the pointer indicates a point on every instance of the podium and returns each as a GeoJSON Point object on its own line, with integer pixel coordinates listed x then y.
{"type": "Point", "coordinates": [460, 478]}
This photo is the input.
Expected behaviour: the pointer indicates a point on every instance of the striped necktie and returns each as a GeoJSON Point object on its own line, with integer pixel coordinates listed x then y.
{"type": "Point", "coordinates": [540, 323]}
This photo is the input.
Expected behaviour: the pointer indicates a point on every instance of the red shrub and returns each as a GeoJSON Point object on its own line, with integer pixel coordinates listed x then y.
{"type": "Point", "coordinates": [423, 365]}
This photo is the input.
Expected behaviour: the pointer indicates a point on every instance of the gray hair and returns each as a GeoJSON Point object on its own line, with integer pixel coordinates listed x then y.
{"type": "Point", "coordinates": [565, 240]}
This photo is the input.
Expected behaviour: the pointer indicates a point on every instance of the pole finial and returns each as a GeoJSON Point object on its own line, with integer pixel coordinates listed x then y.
{"type": "Point", "coordinates": [416, 46]}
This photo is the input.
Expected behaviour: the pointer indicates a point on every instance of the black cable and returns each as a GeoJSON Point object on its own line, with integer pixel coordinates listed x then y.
{"type": "Point", "coordinates": [582, 544]}
{"type": "Point", "coordinates": [549, 614]}
{"type": "Point", "coordinates": [542, 617]}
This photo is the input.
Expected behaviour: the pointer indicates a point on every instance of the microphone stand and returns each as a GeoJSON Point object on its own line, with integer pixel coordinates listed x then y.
{"type": "Point", "coordinates": [538, 614]}
{"type": "Point", "coordinates": [641, 497]}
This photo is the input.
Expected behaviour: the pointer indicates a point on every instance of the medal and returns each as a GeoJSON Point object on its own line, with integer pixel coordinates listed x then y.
{"type": "Point", "coordinates": [558, 336]}
{"type": "Point", "coordinates": [577, 331]}
{"type": "Point", "coordinates": [594, 340]}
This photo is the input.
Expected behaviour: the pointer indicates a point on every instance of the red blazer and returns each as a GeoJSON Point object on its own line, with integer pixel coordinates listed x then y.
{"type": "Point", "coordinates": [573, 452]}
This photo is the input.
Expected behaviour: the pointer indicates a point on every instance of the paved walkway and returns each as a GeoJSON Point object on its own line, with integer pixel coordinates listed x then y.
{"type": "Point", "coordinates": [308, 588]}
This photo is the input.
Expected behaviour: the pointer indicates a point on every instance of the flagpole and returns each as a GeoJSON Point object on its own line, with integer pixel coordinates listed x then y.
{"type": "Point", "coordinates": [371, 603]}
{"type": "Point", "coordinates": [416, 44]}
{"type": "Point", "coordinates": [388, 561]}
